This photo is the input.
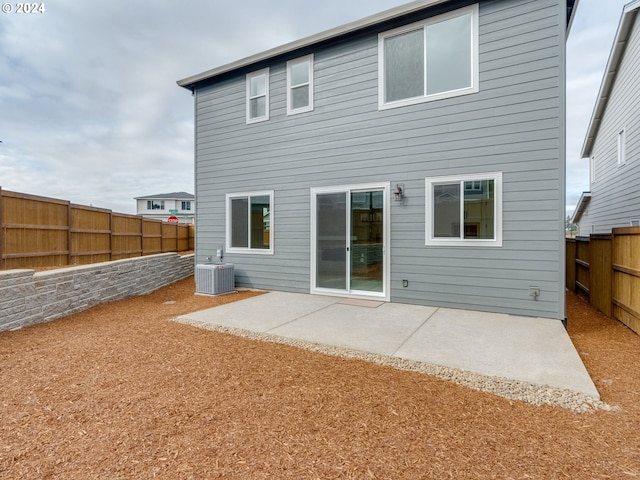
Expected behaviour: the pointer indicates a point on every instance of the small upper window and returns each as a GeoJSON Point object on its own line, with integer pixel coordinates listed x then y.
{"type": "Point", "coordinates": [621, 148]}
{"type": "Point", "coordinates": [258, 96]}
{"type": "Point", "coordinates": [186, 205]}
{"type": "Point", "coordinates": [300, 85]}
{"type": "Point", "coordinates": [433, 59]}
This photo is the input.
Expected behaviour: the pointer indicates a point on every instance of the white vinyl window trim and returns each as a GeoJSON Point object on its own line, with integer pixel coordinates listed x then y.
{"type": "Point", "coordinates": [430, 238]}
{"type": "Point", "coordinates": [424, 96]}
{"type": "Point", "coordinates": [257, 92]}
{"type": "Point", "coordinates": [249, 249]}
{"type": "Point", "coordinates": [299, 82]}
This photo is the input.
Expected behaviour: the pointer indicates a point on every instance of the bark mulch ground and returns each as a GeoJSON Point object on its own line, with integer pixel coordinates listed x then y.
{"type": "Point", "coordinates": [120, 392]}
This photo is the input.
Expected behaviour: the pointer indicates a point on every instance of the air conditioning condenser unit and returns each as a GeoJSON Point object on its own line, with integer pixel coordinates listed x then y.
{"type": "Point", "coordinates": [215, 279]}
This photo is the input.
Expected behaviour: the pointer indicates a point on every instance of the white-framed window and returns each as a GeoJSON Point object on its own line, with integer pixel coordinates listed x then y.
{"type": "Point", "coordinates": [249, 222]}
{"type": "Point", "coordinates": [429, 60]}
{"type": "Point", "coordinates": [186, 205]}
{"type": "Point", "coordinates": [622, 154]}
{"type": "Point", "coordinates": [155, 204]}
{"type": "Point", "coordinates": [300, 85]}
{"type": "Point", "coordinates": [258, 96]}
{"type": "Point", "coordinates": [464, 210]}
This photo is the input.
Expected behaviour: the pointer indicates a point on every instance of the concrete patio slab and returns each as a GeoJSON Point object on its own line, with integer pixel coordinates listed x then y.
{"type": "Point", "coordinates": [264, 312]}
{"type": "Point", "coordinates": [535, 350]}
{"type": "Point", "coordinates": [379, 330]}
{"type": "Point", "coordinates": [531, 350]}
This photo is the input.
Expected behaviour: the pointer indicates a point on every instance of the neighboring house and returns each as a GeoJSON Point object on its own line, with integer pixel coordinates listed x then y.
{"type": "Point", "coordinates": [612, 143]}
{"type": "Point", "coordinates": [165, 205]}
{"type": "Point", "coordinates": [413, 156]}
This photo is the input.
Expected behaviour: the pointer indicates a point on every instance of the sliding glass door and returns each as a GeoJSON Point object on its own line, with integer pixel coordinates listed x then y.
{"type": "Point", "coordinates": [349, 238]}
{"type": "Point", "coordinates": [331, 240]}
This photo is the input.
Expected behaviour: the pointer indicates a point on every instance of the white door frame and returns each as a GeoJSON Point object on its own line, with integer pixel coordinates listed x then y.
{"type": "Point", "coordinates": [385, 295]}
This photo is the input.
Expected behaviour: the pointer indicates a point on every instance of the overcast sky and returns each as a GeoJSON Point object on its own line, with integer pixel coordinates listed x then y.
{"type": "Point", "coordinates": [90, 111]}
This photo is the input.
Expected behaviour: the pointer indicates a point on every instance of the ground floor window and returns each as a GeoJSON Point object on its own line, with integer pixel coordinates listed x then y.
{"type": "Point", "coordinates": [464, 210]}
{"type": "Point", "coordinates": [249, 222]}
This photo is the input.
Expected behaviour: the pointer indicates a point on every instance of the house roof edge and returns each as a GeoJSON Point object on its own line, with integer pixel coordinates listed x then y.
{"type": "Point", "coordinates": [347, 28]}
{"type": "Point", "coordinates": [585, 198]}
{"type": "Point", "coordinates": [627, 19]}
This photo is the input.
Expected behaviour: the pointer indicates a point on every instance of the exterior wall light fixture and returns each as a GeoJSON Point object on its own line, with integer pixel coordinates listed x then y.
{"type": "Point", "coordinates": [399, 193]}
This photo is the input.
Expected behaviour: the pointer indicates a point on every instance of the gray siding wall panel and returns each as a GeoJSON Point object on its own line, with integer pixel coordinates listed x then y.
{"type": "Point", "coordinates": [511, 125]}
{"type": "Point", "coordinates": [615, 197]}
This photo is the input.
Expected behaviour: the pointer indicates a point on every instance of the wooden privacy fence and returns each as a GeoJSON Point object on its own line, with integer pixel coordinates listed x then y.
{"type": "Point", "coordinates": [605, 268]}
{"type": "Point", "coordinates": [41, 232]}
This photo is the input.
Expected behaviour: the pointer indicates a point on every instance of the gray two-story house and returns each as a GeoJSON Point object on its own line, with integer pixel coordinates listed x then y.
{"type": "Point", "coordinates": [413, 156]}
{"type": "Point", "coordinates": [612, 142]}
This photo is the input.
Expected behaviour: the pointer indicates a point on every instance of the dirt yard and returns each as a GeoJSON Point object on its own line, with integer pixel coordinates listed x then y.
{"type": "Point", "coordinates": [122, 392]}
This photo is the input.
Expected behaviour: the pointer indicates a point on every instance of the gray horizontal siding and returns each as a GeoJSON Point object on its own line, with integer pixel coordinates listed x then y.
{"type": "Point", "coordinates": [615, 196]}
{"type": "Point", "coordinates": [511, 125]}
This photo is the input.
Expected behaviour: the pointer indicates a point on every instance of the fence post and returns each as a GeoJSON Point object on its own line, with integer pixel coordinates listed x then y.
{"type": "Point", "coordinates": [1, 233]}
{"type": "Point", "coordinates": [570, 246]}
{"type": "Point", "coordinates": [600, 272]}
{"type": "Point", "coordinates": [69, 222]}
{"type": "Point", "coordinates": [111, 235]}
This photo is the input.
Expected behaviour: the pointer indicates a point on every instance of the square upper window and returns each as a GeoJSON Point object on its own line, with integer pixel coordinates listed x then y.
{"type": "Point", "coordinates": [300, 85]}
{"type": "Point", "coordinates": [429, 60]}
{"type": "Point", "coordinates": [464, 210]}
{"type": "Point", "coordinates": [258, 96]}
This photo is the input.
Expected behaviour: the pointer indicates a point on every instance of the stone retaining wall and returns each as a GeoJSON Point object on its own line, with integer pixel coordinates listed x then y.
{"type": "Point", "coordinates": [27, 297]}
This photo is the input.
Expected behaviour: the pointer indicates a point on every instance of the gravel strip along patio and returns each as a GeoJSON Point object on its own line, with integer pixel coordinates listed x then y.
{"type": "Point", "coordinates": [121, 391]}
{"type": "Point", "coordinates": [505, 387]}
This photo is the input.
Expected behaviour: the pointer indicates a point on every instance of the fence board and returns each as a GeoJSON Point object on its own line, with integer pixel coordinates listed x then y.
{"type": "Point", "coordinates": [90, 235]}
{"type": "Point", "coordinates": [151, 236]}
{"type": "Point", "coordinates": [626, 276]}
{"type": "Point", "coordinates": [126, 236]}
{"type": "Point", "coordinates": [570, 264]}
{"type": "Point", "coordinates": [607, 271]}
{"type": "Point", "coordinates": [169, 237]}
{"type": "Point", "coordinates": [582, 262]}
{"type": "Point", "coordinates": [1, 233]}
{"type": "Point", "coordinates": [601, 272]}
{"type": "Point", "coordinates": [36, 231]}
{"type": "Point", "coordinates": [183, 238]}
{"type": "Point", "coordinates": [41, 232]}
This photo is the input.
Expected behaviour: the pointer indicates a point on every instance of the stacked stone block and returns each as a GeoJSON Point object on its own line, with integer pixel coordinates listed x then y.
{"type": "Point", "coordinates": [27, 297]}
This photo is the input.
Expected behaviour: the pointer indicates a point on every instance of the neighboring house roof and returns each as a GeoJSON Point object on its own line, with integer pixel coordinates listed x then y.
{"type": "Point", "coordinates": [331, 34]}
{"type": "Point", "coordinates": [629, 13]}
{"type": "Point", "coordinates": [585, 198]}
{"type": "Point", "coordinates": [169, 196]}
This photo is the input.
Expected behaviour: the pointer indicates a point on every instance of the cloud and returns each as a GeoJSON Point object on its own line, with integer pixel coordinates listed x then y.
{"type": "Point", "coordinates": [90, 111]}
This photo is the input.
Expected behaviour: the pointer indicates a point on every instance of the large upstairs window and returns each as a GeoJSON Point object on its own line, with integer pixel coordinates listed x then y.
{"type": "Point", "coordinates": [429, 60]}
